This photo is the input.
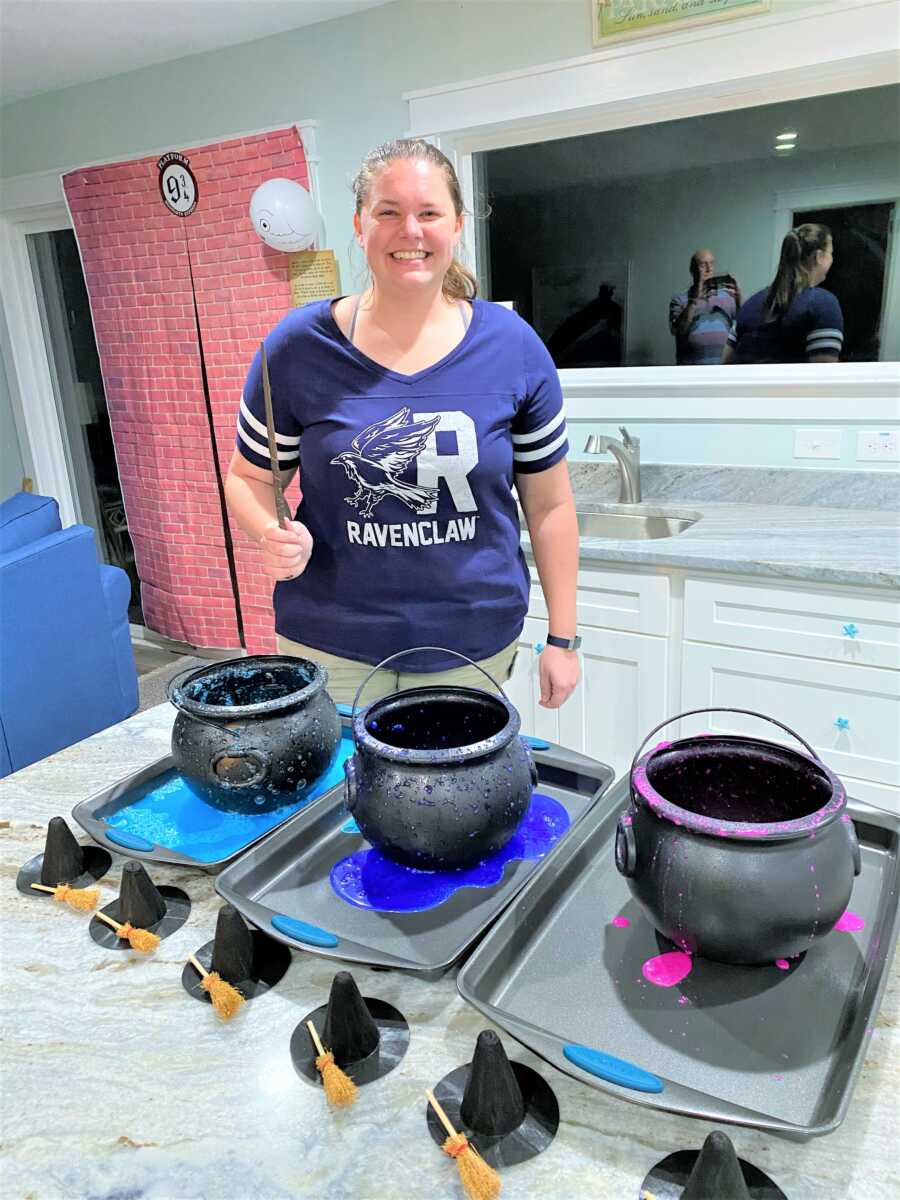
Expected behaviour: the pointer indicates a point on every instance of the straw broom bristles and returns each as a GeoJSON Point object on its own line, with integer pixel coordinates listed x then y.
{"type": "Point", "coordinates": [225, 997]}
{"type": "Point", "coordinates": [480, 1181]}
{"type": "Point", "coordinates": [141, 940]}
{"type": "Point", "coordinates": [340, 1090]}
{"type": "Point", "coordinates": [83, 899]}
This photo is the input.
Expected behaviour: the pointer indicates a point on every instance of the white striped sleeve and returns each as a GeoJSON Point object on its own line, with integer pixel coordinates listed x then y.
{"type": "Point", "coordinates": [252, 441]}
{"type": "Point", "coordinates": [538, 431]}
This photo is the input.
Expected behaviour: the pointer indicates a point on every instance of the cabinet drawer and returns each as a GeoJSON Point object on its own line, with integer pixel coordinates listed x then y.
{"type": "Point", "coordinates": [849, 714]}
{"type": "Point", "coordinates": [616, 600]}
{"type": "Point", "coordinates": [848, 629]}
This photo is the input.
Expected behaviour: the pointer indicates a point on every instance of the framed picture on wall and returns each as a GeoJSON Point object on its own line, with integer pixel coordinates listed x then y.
{"type": "Point", "coordinates": [580, 312]}
{"type": "Point", "coordinates": [613, 20]}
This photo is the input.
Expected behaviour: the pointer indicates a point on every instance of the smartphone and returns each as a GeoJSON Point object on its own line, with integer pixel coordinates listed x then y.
{"type": "Point", "coordinates": [719, 283]}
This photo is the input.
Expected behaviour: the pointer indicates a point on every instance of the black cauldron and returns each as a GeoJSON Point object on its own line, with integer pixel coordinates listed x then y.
{"type": "Point", "coordinates": [252, 734]}
{"type": "Point", "coordinates": [440, 777]}
{"type": "Point", "coordinates": [737, 849]}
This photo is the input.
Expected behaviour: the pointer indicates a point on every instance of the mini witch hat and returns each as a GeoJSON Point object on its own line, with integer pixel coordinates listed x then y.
{"type": "Point", "coordinates": [63, 861]}
{"type": "Point", "coordinates": [140, 903]}
{"type": "Point", "coordinates": [713, 1171]}
{"type": "Point", "coordinates": [367, 1037]}
{"type": "Point", "coordinates": [507, 1110]}
{"type": "Point", "coordinates": [245, 958]}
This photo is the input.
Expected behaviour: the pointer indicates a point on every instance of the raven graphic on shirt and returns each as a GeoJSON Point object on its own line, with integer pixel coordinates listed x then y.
{"type": "Point", "coordinates": [379, 455]}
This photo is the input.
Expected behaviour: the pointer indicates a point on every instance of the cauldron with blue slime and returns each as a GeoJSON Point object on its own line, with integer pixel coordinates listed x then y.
{"type": "Point", "coordinates": [440, 777]}
{"type": "Point", "coordinates": [253, 733]}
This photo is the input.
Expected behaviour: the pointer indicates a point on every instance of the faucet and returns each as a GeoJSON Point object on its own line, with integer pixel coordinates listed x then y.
{"type": "Point", "coordinates": [628, 455]}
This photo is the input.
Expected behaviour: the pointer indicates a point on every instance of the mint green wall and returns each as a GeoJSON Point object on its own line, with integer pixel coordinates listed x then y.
{"type": "Point", "coordinates": [11, 465]}
{"type": "Point", "coordinates": [348, 74]}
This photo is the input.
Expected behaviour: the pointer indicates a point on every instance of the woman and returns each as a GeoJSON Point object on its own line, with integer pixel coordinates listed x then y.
{"type": "Point", "coordinates": [411, 410]}
{"type": "Point", "coordinates": [793, 320]}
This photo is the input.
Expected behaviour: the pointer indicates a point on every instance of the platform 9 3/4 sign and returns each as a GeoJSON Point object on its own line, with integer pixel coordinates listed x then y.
{"type": "Point", "coordinates": [177, 184]}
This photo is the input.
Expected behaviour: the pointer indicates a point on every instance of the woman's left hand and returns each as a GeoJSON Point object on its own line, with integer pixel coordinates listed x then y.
{"type": "Point", "coordinates": [559, 673]}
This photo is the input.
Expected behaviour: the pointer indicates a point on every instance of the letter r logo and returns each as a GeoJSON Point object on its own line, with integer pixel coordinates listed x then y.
{"type": "Point", "coordinates": [439, 460]}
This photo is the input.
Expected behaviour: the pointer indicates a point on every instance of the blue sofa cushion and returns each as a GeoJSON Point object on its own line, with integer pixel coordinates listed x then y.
{"type": "Point", "coordinates": [24, 518]}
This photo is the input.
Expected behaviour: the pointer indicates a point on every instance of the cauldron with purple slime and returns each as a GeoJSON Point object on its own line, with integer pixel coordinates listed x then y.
{"type": "Point", "coordinates": [734, 847]}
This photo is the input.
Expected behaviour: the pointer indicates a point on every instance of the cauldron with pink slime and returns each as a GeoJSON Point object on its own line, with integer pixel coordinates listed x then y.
{"type": "Point", "coordinates": [734, 847]}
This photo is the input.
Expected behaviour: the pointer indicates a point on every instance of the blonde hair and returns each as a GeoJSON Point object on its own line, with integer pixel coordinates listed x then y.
{"type": "Point", "coordinates": [798, 250]}
{"type": "Point", "coordinates": [459, 283]}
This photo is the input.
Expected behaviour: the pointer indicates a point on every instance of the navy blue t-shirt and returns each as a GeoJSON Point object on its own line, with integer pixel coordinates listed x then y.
{"type": "Point", "coordinates": [406, 484]}
{"type": "Point", "coordinates": [813, 323]}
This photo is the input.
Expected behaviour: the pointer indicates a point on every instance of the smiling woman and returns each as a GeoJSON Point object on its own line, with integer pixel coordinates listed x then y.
{"type": "Point", "coordinates": [411, 410]}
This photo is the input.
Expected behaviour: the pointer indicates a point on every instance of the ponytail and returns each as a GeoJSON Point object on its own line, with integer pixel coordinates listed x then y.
{"type": "Point", "coordinates": [459, 282]}
{"type": "Point", "coordinates": [798, 249]}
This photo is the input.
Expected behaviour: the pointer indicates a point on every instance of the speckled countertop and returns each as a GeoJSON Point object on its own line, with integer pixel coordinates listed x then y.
{"type": "Point", "coordinates": [118, 1086]}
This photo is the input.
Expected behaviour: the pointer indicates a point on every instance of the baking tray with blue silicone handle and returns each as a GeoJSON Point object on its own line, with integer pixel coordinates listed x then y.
{"type": "Point", "coordinates": [156, 815]}
{"type": "Point", "coordinates": [282, 885]}
{"type": "Point", "coordinates": [777, 1049]}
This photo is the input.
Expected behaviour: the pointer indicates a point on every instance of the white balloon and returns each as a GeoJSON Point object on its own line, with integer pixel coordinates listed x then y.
{"type": "Point", "coordinates": [284, 216]}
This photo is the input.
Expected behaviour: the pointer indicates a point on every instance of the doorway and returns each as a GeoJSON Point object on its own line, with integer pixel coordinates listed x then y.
{"type": "Point", "coordinates": [80, 399]}
{"type": "Point", "coordinates": [861, 234]}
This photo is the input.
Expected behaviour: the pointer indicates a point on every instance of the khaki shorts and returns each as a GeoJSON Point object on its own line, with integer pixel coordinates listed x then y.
{"type": "Point", "coordinates": [346, 674]}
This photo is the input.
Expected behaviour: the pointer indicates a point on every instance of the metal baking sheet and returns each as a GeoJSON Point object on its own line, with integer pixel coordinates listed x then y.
{"type": "Point", "coordinates": [153, 814]}
{"type": "Point", "coordinates": [282, 886]}
{"type": "Point", "coordinates": [780, 1050]}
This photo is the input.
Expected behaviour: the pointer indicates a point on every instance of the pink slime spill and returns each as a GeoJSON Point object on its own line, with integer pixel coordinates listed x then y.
{"type": "Point", "coordinates": [665, 970]}
{"type": "Point", "coordinates": [620, 922]}
{"type": "Point", "coordinates": [850, 922]}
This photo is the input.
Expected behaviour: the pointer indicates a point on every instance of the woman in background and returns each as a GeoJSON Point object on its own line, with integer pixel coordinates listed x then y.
{"type": "Point", "coordinates": [793, 320]}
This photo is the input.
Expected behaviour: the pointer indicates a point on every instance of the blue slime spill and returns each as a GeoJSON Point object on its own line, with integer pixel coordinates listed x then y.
{"type": "Point", "coordinates": [166, 811]}
{"type": "Point", "coordinates": [367, 879]}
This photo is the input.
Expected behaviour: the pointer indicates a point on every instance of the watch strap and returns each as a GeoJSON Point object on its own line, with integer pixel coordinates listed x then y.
{"type": "Point", "coordinates": [563, 643]}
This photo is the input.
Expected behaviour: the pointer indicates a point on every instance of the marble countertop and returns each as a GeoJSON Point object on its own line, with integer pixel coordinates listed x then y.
{"type": "Point", "coordinates": [118, 1086]}
{"type": "Point", "coordinates": [823, 545]}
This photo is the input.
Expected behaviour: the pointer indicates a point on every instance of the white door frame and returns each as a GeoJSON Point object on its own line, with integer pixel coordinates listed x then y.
{"type": "Point", "coordinates": [36, 204]}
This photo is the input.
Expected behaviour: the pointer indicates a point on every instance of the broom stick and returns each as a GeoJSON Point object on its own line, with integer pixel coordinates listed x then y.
{"type": "Point", "coordinates": [226, 999]}
{"type": "Point", "coordinates": [141, 940]}
{"type": "Point", "coordinates": [79, 898]}
{"type": "Point", "coordinates": [480, 1181]}
{"type": "Point", "coordinates": [340, 1090]}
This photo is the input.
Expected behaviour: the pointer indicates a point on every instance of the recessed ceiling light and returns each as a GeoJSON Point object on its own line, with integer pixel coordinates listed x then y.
{"type": "Point", "coordinates": [788, 135]}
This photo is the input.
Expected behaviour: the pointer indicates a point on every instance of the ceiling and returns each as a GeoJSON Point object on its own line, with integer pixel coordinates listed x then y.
{"type": "Point", "coordinates": [50, 44]}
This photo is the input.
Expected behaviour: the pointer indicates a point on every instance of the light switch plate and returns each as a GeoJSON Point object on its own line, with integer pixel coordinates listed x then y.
{"type": "Point", "coordinates": [817, 443]}
{"type": "Point", "coordinates": [877, 445]}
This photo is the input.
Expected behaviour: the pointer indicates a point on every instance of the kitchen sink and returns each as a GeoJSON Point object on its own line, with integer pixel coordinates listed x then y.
{"type": "Point", "coordinates": [634, 525]}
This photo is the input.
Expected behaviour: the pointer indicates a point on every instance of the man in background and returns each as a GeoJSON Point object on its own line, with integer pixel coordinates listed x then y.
{"type": "Point", "coordinates": [700, 318]}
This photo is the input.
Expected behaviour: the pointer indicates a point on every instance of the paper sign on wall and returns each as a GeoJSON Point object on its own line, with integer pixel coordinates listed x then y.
{"type": "Point", "coordinates": [314, 275]}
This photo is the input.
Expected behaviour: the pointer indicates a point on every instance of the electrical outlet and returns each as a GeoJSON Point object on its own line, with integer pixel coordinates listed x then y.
{"type": "Point", "coordinates": [877, 445]}
{"type": "Point", "coordinates": [817, 443]}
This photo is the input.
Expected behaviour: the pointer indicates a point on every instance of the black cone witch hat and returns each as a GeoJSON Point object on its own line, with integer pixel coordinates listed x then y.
{"type": "Point", "coordinates": [248, 959]}
{"type": "Point", "coordinates": [714, 1171]}
{"type": "Point", "coordinates": [506, 1109]}
{"type": "Point", "coordinates": [160, 910]}
{"type": "Point", "coordinates": [63, 861]}
{"type": "Point", "coordinates": [367, 1037]}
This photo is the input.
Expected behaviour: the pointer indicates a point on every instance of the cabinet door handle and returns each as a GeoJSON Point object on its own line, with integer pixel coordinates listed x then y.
{"type": "Point", "coordinates": [842, 723]}
{"type": "Point", "coordinates": [850, 630]}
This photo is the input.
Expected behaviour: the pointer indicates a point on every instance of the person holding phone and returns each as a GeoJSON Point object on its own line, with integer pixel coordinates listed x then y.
{"type": "Point", "coordinates": [701, 317]}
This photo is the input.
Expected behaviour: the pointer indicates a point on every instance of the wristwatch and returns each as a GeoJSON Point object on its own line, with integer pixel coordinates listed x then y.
{"type": "Point", "coordinates": [564, 643]}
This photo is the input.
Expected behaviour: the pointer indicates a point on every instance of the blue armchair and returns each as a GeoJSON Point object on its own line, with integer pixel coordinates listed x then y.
{"type": "Point", "coordinates": [66, 663]}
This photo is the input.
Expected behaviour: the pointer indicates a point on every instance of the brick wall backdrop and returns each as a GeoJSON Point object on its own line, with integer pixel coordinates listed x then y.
{"type": "Point", "coordinates": [138, 258]}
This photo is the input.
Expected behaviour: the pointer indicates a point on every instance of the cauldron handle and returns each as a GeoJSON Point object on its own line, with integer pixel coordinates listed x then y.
{"type": "Point", "coordinates": [746, 712]}
{"type": "Point", "coordinates": [416, 650]}
{"type": "Point", "coordinates": [175, 682]}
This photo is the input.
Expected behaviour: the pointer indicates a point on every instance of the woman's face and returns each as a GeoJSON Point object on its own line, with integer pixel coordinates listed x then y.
{"type": "Point", "coordinates": [824, 259]}
{"type": "Point", "coordinates": [407, 227]}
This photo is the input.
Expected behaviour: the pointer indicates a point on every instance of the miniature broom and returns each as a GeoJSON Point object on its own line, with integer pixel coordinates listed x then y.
{"type": "Point", "coordinates": [81, 898]}
{"type": "Point", "coordinates": [340, 1090]}
{"type": "Point", "coordinates": [226, 999]}
{"type": "Point", "coordinates": [480, 1181]}
{"type": "Point", "coordinates": [138, 939]}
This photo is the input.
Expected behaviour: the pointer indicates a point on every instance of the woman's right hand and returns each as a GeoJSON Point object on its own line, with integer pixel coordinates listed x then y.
{"type": "Point", "coordinates": [285, 551]}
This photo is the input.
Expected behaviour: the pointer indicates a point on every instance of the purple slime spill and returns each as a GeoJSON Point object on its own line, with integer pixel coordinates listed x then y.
{"type": "Point", "coordinates": [850, 922]}
{"type": "Point", "coordinates": [367, 879]}
{"type": "Point", "coordinates": [621, 922]}
{"type": "Point", "coordinates": [665, 970]}
{"type": "Point", "coordinates": [782, 964]}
